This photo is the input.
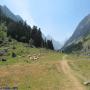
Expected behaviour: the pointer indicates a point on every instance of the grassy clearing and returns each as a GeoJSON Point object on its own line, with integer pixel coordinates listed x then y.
{"type": "Point", "coordinates": [81, 65]}
{"type": "Point", "coordinates": [33, 77]}
{"type": "Point", "coordinates": [41, 74]}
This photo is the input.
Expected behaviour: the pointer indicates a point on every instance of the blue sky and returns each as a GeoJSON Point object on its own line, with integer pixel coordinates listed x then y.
{"type": "Point", "coordinates": [57, 18]}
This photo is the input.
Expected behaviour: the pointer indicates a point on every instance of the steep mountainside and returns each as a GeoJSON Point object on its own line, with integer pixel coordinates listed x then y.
{"type": "Point", "coordinates": [81, 31]}
{"type": "Point", "coordinates": [80, 35]}
{"type": "Point", "coordinates": [9, 14]}
{"type": "Point", "coordinates": [21, 31]}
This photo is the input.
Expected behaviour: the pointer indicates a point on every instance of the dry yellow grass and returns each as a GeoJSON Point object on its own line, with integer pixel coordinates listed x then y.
{"type": "Point", "coordinates": [43, 74]}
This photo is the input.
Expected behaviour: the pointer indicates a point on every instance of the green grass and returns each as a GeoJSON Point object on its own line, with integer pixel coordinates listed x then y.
{"type": "Point", "coordinates": [41, 74]}
{"type": "Point", "coordinates": [81, 65]}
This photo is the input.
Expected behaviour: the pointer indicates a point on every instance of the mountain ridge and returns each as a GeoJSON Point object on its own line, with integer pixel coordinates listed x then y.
{"type": "Point", "coordinates": [9, 14]}
{"type": "Point", "coordinates": [79, 35]}
{"type": "Point", "coordinates": [21, 31]}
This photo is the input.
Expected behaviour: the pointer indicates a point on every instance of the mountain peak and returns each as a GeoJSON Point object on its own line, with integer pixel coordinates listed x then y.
{"type": "Point", "coordinates": [9, 14]}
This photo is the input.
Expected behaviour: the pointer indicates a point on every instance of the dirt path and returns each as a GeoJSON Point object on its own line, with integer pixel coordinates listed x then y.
{"type": "Point", "coordinates": [74, 83]}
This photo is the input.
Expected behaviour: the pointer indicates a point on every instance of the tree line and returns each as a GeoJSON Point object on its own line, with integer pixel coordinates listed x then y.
{"type": "Point", "coordinates": [22, 32]}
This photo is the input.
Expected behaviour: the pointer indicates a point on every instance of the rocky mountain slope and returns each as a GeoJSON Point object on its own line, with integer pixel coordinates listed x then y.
{"type": "Point", "coordinates": [19, 30]}
{"type": "Point", "coordinates": [9, 14]}
{"type": "Point", "coordinates": [80, 36]}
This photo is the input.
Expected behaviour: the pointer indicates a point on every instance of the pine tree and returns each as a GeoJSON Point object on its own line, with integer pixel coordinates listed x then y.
{"type": "Point", "coordinates": [50, 45]}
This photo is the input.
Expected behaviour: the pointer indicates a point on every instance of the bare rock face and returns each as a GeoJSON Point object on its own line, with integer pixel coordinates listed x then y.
{"type": "Point", "coordinates": [82, 31]}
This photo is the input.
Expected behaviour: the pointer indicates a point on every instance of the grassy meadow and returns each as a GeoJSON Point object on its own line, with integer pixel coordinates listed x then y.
{"type": "Point", "coordinates": [42, 74]}
{"type": "Point", "coordinates": [81, 66]}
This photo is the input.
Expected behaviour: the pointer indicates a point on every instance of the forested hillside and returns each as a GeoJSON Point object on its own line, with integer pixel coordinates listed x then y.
{"type": "Point", "coordinates": [21, 31]}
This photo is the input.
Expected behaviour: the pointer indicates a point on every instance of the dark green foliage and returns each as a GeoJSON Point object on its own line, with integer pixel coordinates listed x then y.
{"type": "Point", "coordinates": [73, 47]}
{"type": "Point", "coordinates": [4, 59]}
{"type": "Point", "coordinates": [1, 41]}
{"type": "Point", "coordinates": [19, 31]}
{"type": "Point", "coordinates": [13, 55]}
{"type": "Point", "coordinates": [22, 32]}
{"type": "Point", "coordinates": [13, 47]}
{"type": "Point", "coordinates": [36, 36]}
{"type": "Point", "coordinates": [49, 44]}
{"type": "Point", "coordinates": [9, 39]}
{"type": "Point", "coordinates": [3, 35]}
